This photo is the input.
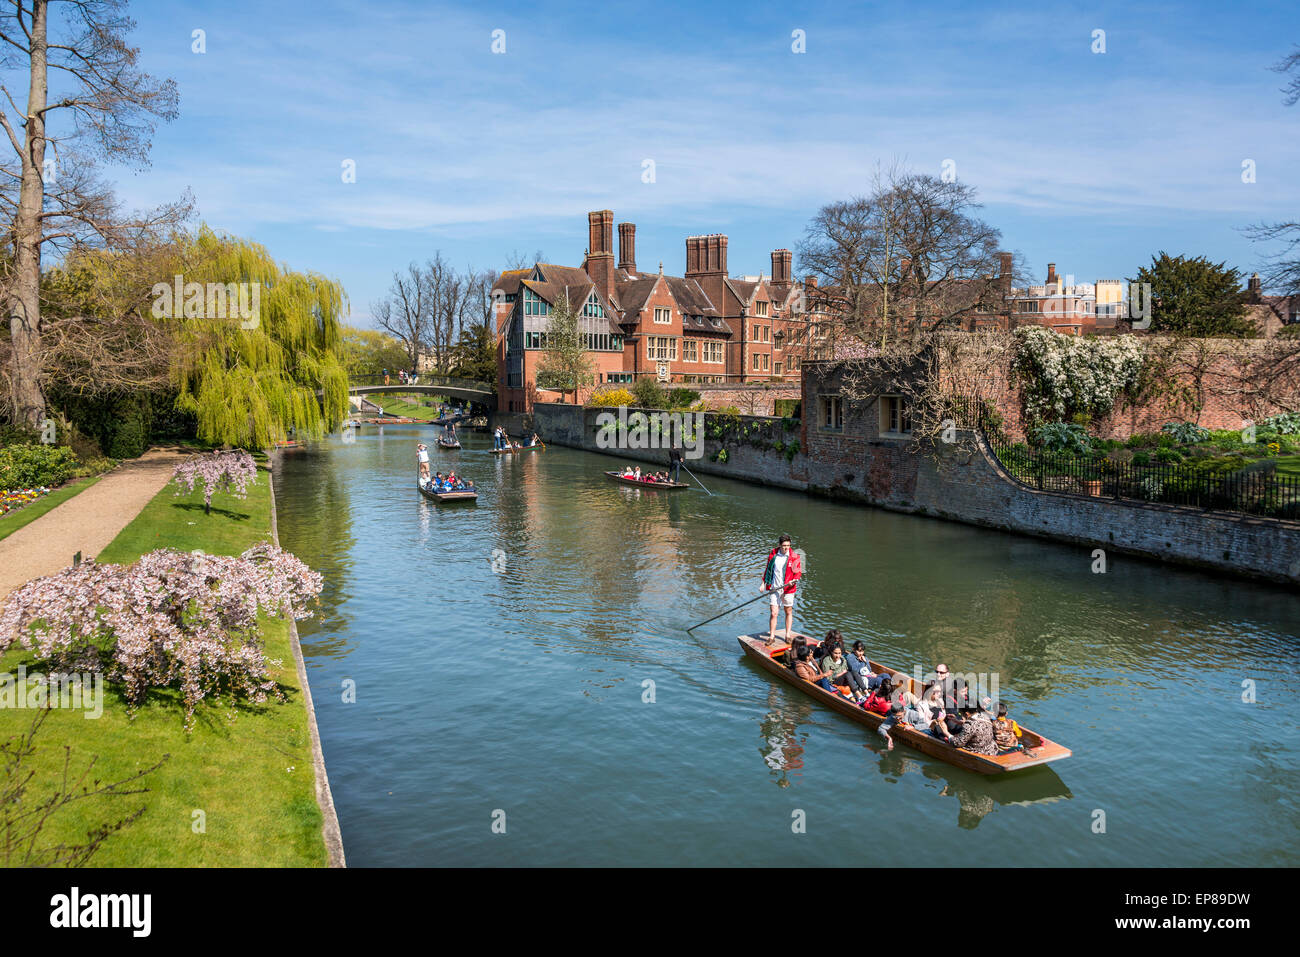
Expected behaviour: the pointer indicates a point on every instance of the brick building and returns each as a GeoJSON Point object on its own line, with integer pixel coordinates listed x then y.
{"type": "Point", "coordinates": [703, 326]}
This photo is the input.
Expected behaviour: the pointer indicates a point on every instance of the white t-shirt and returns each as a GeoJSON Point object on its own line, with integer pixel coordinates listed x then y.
{"type": "Point", "coordinates": [778, 571]}
{"type": "Point", "coordinates": [423, 456]}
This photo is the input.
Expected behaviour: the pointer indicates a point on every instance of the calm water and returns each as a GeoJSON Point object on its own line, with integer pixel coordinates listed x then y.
{"type": "Point", "coordinates": [500, 654]}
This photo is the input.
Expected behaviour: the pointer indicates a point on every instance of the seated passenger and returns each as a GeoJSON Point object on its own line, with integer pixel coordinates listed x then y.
{"type": "Point", "coordinates": [837, 667]}
{"type": "Point", "coordinates": [1006, 733]}
{"type": "Point", "coordinates": [833, 638]}
{"type": "Point", "coordinates": [975, 735]}
{"type": "Point", "coordinates": [808, 671]}
{"type": "Point", "coordinates": [916, 712]}
{"type": "Point", "coordinates": [939, 726]}
{"type": "Point", "coordinates": [858, 662]}
{"type": "Point", "coordinates": [878, 702]}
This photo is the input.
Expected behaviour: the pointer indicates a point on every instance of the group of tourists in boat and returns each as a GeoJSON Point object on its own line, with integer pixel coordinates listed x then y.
{"type": "Point", "coordinates": [501, 442]}
{"type": "Point", "coordinates": [943, 709]}
{"type": "Point", "coordinates": [450, 482]}
{"type": "Point", "coordinates": [653, 478]}
{"type": "Point", "coordinates": [439, 482]}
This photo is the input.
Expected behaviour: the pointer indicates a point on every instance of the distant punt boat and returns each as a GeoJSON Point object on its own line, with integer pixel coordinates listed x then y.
{"type": "Point", "coordinates": [527, 448]}
{"type": "Point", "coordinates": [1042, 750]}
{"type": "Point", "coordinates": [642, 483]}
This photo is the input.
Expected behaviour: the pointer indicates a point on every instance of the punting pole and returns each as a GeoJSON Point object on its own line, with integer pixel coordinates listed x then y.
{"type": "Point", "coordinates": [701, 485]}
{"type": "Point", "coordinates": [762, 594]}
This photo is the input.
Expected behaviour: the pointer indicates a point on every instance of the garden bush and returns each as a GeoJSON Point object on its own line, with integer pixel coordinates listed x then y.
{"type": "Point", "coordinates": [1285, 423]}
{"type": "Point", "coordinates": [1185, 433]}
{"type": "Point", "coordinates": [649, 394]}
{"type": "Point", "coordinates": [129, 440]}
{"type": "Point", "coordinates": [612, 397]}
{"type": "Point", "coordinates": [26, 466]}
{"type": "Point", "coordinates": [1062, 437]}
{"type": "Point", "coordinates": [682, 398]}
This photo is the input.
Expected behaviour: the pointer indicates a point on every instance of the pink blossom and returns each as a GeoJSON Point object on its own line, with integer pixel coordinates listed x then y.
{"type": "Point", "coordinates": [173, 619]}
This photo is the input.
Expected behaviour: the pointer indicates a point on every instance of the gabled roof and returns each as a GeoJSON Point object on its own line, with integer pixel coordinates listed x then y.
{"type": "Point", "coordinates": [564, 275]}
{"type": "Point", "coordinates": [508, 281]}
{"type": "Point", "coordinates": [577, 295]}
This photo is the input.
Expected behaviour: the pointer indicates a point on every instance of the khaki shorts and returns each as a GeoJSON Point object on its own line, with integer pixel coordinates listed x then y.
{"type": "Point", "coordinates": [787, 599]}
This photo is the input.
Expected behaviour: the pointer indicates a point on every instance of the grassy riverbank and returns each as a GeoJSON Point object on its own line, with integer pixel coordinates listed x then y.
{"type": "Point", "coordinates": [247, 769]}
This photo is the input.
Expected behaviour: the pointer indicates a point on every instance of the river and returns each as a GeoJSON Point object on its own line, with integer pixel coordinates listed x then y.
{"type": "Point", "coordinates": [526, 692]}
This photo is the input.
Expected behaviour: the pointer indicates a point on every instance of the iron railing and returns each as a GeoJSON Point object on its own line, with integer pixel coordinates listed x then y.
{"type": "Point", "coordinates": [1254, 489]}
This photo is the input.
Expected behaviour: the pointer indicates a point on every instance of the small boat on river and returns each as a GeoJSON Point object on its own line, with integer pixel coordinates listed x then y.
{"type": "Point", "coordinates": [456, 495]}
{"type": "Point", "coordinates": [1038, 749]}
{"type": "Point", "coordinates": [524, 448]}
{"type": "Point", "coordinates": [443, 443]}
{"type": "Point", "coordinates": [642, 483]}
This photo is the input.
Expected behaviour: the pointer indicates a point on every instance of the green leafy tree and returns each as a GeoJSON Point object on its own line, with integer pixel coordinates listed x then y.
{"type": "Point", "coordinates": [1195, 297]}
{"type": "Point", "coordinates": [475, 355]}
{"type": "Point", "coordinates": [369, 351]}
{"type": "Point", "coordinates": [565, 367]}
{"type": "Point", "coordinates": [249, 380]}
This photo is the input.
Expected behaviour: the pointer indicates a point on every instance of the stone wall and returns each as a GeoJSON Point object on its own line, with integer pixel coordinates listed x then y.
{"type": "Point", "coordinates": [861, 464]}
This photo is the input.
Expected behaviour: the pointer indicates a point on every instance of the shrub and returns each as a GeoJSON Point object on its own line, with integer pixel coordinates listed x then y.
{"type": "Point", "coordinates": [1168, 456]}
{"type": "Point", "coordinates": [1151, 488]}
{"type": "Point", "coordinates": [1185, 433]}
{"type": "Point", "coordinates": [649, 394]}
{"type": "Point", "coordinates": [1285, 423]}
{"type": "Point", "coordinates": [1062, 437]}
{"type": "Point", "coordinates": [1141, 459]}
{"type": "Point", "coordinates": [682, 398]}
{"type": "Point", "coordinates": [129, 440]}
{"type": "Point", "coordinates": [727, 410]}
{"type": "Point", "coordinates": [608, 397]}
{"type": "Point", "coordinates": [26, 466]}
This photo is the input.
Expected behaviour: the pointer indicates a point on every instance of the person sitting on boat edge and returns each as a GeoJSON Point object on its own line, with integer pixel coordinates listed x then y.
{"type": "Point", "coordinates": [808, 671]}
{"type": "Point", "coordinates": [894, 716]}
{"type": "Point", "coordinates": [800, 642]}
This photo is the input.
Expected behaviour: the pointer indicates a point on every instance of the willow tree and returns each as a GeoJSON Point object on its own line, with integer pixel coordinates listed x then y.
{"type": "Point", "coordinates": [261, 347]}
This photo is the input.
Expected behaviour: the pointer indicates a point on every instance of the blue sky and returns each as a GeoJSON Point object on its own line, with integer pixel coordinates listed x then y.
{"type": "Point", "coordinates": [1092, 161]}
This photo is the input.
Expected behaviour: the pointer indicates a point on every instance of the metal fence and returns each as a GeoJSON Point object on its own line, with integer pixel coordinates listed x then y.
{"type": "Point", "coordinates": [1255, 488]}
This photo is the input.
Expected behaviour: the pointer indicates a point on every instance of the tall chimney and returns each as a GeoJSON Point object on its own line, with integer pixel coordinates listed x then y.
{"type": "Point", "coordinates": [1051, 274]}
{"type": "Point", "coordinates": [1255, 287]}
{"type": "Point", "coordinates": [781, 267]}
{"type": "Point", "coordinates": [599, 264]}
{"type": "Point", "coordinates": [1004, 263]}
{"type": "Point", "coordinates": [627, 246]}
{"type": "Point", "coordinates": [600, 232]}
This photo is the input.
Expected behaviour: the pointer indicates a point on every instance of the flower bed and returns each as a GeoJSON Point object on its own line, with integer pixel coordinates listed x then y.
{"type": "Point", "coordinates": [11, 499]}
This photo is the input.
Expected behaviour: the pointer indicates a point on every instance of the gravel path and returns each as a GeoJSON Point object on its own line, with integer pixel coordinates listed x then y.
{"type": "Point", "coordinates": [85, 523]}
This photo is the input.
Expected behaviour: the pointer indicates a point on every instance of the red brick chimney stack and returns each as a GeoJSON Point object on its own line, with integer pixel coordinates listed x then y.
{"type": "Point", "coordinates": [781, 259]}
{"type": "Point", "coordinates": [1051, 274]}
{"type": "Point", "coordinates": [600, 256]}
{"type": "Point", "coordinates": [627, 246]}
{"type": "Point", "coordinates": [1004, 261]}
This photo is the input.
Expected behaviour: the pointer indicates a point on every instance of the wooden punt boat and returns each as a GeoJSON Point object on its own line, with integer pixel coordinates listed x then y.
{"type": "Point", "coordinates": [1041, 750]}
{"type": "Point", "coordinates": [641, 483]}
{"type": "Point", "coordinates": [461, 495]}
{"type": "Point", "coordinates": [527, 448]}
{"type": "Point", "coordinates": [453, 444]}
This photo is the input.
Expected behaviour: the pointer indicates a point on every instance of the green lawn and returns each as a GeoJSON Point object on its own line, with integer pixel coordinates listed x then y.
{"type": "Point", "coordinates": [400, 405]}
{"type": "Point", "coordinates": [248, 768]}
{"type": "Point", "coordinates": [1289, 465]}
{"type": "Point", "coordinates": [10, 522]}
